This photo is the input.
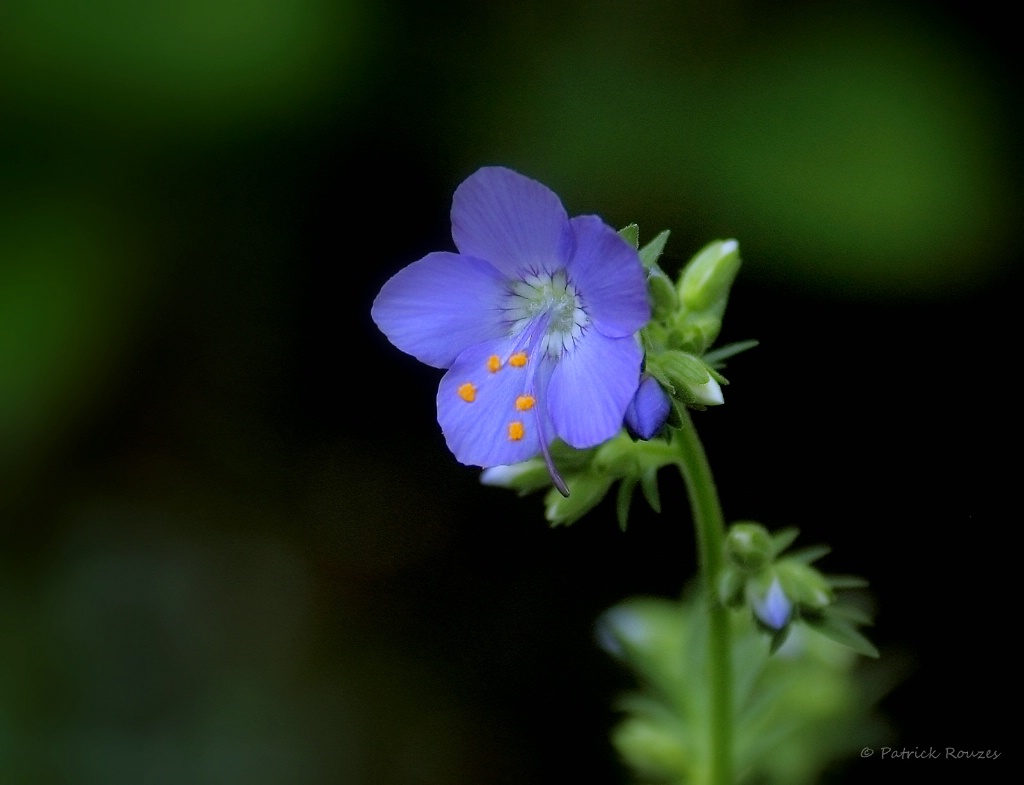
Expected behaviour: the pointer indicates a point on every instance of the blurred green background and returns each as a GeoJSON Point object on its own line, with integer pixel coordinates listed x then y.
{"type": "Point", "coordinates": [234, 548]}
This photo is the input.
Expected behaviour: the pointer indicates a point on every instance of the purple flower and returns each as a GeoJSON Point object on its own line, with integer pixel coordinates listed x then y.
{"type": "Point", "coordinates": [534, 319]}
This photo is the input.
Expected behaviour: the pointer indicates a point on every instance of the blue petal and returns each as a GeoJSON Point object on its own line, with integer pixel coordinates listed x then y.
{"type": "Point", "coordinates": [649, 409]}
{"type": "Point", "coordinates": [515, 223]}
{"type": "Point", "coordinates": [437, 307]}
{"type": "Point", "coordinates": [477, 432]}
{"type": "Point", "coordinates": [591, 386]}
{"type": "Point", "coordinates": [609, 278]}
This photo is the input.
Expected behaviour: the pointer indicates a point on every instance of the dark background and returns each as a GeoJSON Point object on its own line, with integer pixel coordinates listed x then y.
{"type": "Point", "coordinates": [234, 547]}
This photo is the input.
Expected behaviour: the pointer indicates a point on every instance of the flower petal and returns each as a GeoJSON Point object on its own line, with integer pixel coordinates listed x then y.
{"type": "Point", "coordinates": [477, 406]}
{"type": "Point", "coordinates": [437, 307]}
{"type": "Point", "coordinates": [591, 386]}
{"type": "Point", "coordinates": [515, 223]}
{"type": "Point", "coordinates": [609, 277]}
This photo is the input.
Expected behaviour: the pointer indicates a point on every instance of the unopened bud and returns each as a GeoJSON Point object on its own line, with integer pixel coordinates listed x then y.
{"type": "Point", "coordinates": [709, 275]}
{"type": "Point", "coordinates": [748, 545]}
{"type": "Point", "coordinates": [648, 410]}
{"type": "Point", "coordinates": [772, 607]}
{"type": "Point", "coordinates": [688, 377]}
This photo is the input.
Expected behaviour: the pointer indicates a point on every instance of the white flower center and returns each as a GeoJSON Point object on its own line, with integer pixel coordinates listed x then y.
{"type": "Point", "coordinates": [552, 295]}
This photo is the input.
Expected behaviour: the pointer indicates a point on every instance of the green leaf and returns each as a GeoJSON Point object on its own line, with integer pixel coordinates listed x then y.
{"type": "Point", "coordinates": [651, 252]}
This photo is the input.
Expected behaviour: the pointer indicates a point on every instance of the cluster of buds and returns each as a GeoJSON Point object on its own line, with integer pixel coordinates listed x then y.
{"type": "Point", "coordinates": [781, 589]}
{"type": "Point", "coordinates": [687, 318]}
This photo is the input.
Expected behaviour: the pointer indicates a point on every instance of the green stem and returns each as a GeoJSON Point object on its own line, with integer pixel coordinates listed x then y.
{"type": "Point", "coordinates": [710, 526]}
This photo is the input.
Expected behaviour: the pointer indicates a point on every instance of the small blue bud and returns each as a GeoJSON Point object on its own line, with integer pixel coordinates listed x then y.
{"type": "Point", "coordinates": [773, 608]}
{"type": "Point", "coordinates": [648, 410]}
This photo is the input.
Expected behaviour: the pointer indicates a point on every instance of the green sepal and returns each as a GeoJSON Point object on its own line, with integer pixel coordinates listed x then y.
{"type": "Point", "coordinates": [783, 538]}
{"type": "Point", "coordinates": [846, 582]}
{"type": "Point", "coordinates": [803, 584]}
{"type": "Point", "coordinates": [851, 613]}
{"type": "Point", "coordinates": [651, 252]}
{"type": "Point", "coordinates": [809, 554]}
{"type": "Point", "coordinates": [675, 417]}
{"type": "Point", "coordinates": [778, 638]}
{"type": "Point", "coordinates": [717, 376]}
{"type": "Point", "coordinates": [649, 485]}
{"type": "Point", "coordinates": [841, 631]}
{"type": "Point", "coordinates": [663, 293]}
{"type": "Point", "coordinates": [716, 356]}
{"type": "Point", "coordinates": [699, 331]}
{"type": "Point", "coordinates": [624, 499]}
{"type": "Point", "coordinates": [678, 369]}
{"type": "Point", "coordinates": [631, 234]}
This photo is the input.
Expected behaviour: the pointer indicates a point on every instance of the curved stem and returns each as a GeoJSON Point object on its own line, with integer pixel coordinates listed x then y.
{"type": "Point", "coordinates": [710, 528]}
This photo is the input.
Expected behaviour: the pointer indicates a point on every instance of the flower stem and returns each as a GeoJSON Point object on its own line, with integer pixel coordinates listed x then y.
{"type": "Point", "coordinates": [710, 529]}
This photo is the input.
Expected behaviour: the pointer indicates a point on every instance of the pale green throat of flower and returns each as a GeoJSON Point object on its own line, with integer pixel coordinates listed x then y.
{"type": "Point", "coordinates": [554, 296]}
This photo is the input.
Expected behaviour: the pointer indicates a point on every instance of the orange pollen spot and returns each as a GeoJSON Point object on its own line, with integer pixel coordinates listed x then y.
{"type": "Point", "coordinates": [515, 431]}
{"type": "Point", "coordinates": [525, 402]}
{"type": "Point", "coordinates": [493, 363]}
{"type": "Point", "coordinates": [517, 360]}
{"type": "Point", "coordinates": [467, 392]}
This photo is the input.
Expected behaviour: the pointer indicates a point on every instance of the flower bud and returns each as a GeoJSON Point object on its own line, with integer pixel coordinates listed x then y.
{"type": "Point", "coordinates": [688, 376]}
{"type": "Point", "coordinates": [648, 410]}
{"type": "Point", "coordinates": [771, 606]}
{"type": "Point", "coordinates": [709, 275]}
{"type": "Point", "coordinates": [748, 545]}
